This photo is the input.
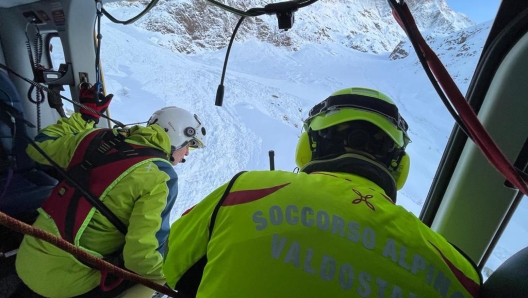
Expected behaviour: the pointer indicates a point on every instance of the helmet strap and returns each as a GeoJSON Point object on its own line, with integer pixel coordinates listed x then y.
{"type": "Point", "coordinates": [171, 158]}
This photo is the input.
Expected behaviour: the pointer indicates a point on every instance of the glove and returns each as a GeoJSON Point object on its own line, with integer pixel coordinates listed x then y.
{"type": "Point", "coordinates": [87, 98]}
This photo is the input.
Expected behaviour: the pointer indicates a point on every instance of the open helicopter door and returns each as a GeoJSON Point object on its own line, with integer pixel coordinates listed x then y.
{"type": "Point", "coordinates": [470, 202]}
{"type": "Point", "coordinates": [23, 185]}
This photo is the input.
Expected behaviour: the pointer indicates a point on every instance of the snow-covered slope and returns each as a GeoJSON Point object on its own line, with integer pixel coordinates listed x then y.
{"type": "Point", "coordinates": [458, 51]}
{"type": "Point", "coordinates": [269, 90]}
{"type": "Point", "coordinates": [191, 26]}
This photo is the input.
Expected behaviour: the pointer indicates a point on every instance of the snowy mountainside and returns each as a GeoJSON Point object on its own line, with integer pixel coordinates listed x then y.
{"type": "Point", "coordinates": [268, 91]}
{"type": "Point", "coordinates": [458, 51]}
{"type": "Point", "coordinates": [430, 123]}
{"type": "Point", "coordinates": [192, 26]}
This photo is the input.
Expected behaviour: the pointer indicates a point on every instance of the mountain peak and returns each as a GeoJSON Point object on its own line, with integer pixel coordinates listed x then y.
{"type": "Point", "coordinates": [191, 26]}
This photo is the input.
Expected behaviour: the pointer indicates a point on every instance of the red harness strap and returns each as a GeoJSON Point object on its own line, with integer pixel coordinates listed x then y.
{"type": "Point", "coordinates": [100, 158]}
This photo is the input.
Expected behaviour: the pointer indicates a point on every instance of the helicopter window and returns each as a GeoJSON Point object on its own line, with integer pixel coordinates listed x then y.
{"type": "Point", "coordinates": [512, 240]}
{"type": "Point", "coordinates": [57, 58]}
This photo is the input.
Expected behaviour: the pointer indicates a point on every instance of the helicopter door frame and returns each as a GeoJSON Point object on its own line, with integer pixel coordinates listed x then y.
{"type": "Point", "coordinates": [468, 201]}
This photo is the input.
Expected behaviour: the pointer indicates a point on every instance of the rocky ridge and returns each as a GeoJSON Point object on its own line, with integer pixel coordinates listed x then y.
{"type": "Point", "coordinates": [192, 26]}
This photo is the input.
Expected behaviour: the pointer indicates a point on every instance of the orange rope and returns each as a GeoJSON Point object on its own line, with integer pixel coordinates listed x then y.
{"type": "Point", "coordinates": [80, 254]}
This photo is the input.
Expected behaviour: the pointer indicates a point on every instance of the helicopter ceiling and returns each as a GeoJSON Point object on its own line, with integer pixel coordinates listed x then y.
{"type": "Point", "coordinates": [12, 3]}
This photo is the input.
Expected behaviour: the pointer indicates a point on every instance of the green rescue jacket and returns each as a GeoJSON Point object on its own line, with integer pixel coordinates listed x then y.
{"type": "Point", "coordinates": [141, 198]}
{"type": "Point", "coordinates": [280, 234]}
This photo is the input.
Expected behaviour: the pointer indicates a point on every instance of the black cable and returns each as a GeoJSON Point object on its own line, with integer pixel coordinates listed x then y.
{"type": "Point", "coordinates": [12, 112]}
{"type": "Point", "coordinates": [99, 13]}
{"type": "Point", "coordinates": [54, 101]}
{"type": "Point", "coordinates": [220, 90]}
{"type": "Point", "coordinates": [136, 123]}
{"type": "Point", "coordinates": [253, 12]}
{"type": "Point", "coordinates": [44, 88]}
{"type": "Point", "coordinates": [132, 20]}
{"type": "Point", "coordinates": [34, 60]}
{"type": "Point", "coordinates": [38, 45]}
{"type": "Point", "coordinates": [396, 6]}
{"type": "Point", "coordinates": [28, 46]}
{"type": "Point", "coordinates": [306, 3]}
{"type": "Point", "coordinates": [286, 7]}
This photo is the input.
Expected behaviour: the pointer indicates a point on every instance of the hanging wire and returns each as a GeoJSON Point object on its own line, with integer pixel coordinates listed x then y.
{"type": "Point", "coordinates": [220, 90]}
{"type": "Point", "coordinates": [306, 3]}
{"type": "Point", "coordinates": [131, 20]}
{"type": "Point", "coordinates": [249, 13]}
{"type": "Point", "coordinates": [135, 123]}
{"type": "Point", "coordinates": [35, 59]}
{"type": "Point", "coordinates": [257, 11]}
{"type": "Point", "coordinates": [46, 89]}
{"type": "Point", "coordinates": [98, 84]}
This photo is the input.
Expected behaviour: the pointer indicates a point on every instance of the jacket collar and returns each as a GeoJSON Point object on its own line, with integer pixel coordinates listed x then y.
{"type": "Point", "coordinates": [356, 165]}
{"type": "Point", "coordinates": [152, 136]}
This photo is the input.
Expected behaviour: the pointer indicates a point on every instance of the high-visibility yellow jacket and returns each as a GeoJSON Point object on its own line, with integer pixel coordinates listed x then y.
{"type": "Point", "coordinates": [141, 198]}
{"type": "Point", "coordinates": [280, 234]}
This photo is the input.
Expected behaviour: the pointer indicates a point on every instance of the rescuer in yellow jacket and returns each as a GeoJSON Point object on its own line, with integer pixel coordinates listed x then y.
{"type": "Point", "coordinates": [331, 230]}
{"type": "Point", "coordinates": [132, 175]}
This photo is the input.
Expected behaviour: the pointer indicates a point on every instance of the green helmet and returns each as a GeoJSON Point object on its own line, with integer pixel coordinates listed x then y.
{"type": "Point", "coordinates": [347, 109]}
{"type": "Point", "coordinates": [352, 104]}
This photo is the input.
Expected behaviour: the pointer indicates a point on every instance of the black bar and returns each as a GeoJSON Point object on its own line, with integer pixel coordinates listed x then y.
{"type": "Point", "coordinates": [272, 160]}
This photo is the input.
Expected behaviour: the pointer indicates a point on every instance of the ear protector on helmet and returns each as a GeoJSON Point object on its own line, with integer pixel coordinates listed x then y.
{"type": "Point", "coordinates": [401, 172]}
{"type": "Point", "coordinates": [190, 132]}
{"type": "Point", "coordinates": [303, 151]}
{"type": "Point", "coordinates": [399, 168]}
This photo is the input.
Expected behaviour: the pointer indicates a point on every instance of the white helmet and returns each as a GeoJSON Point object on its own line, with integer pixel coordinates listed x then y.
{"type": "Point", "coordinates": [182, 127]}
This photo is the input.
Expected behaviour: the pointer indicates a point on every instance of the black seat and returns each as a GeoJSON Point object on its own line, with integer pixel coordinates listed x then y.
{"type": "Point", "coordinates": [510, 279]}
{"type": "Point", "coordinates": [23, 187]}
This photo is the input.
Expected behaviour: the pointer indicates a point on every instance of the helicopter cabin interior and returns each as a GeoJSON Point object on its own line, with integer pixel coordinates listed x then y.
{"type": "Point", "coordinates": [470, 203]}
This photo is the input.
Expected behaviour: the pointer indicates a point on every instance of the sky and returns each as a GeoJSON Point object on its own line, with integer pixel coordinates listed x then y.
{"type": "Point", "coordinates": [268, 92]}
{"type": "Point", "coordinates": [478, 11]}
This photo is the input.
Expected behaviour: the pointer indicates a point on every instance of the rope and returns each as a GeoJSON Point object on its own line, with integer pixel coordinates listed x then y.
{"type": "Point", "coordinates": [80, 254]}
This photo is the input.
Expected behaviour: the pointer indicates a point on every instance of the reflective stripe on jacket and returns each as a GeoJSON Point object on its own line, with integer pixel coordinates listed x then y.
{"type": "Point", "coordinates": [280, 234]}
{"type": "Point", "coordinates": [141, 198]}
